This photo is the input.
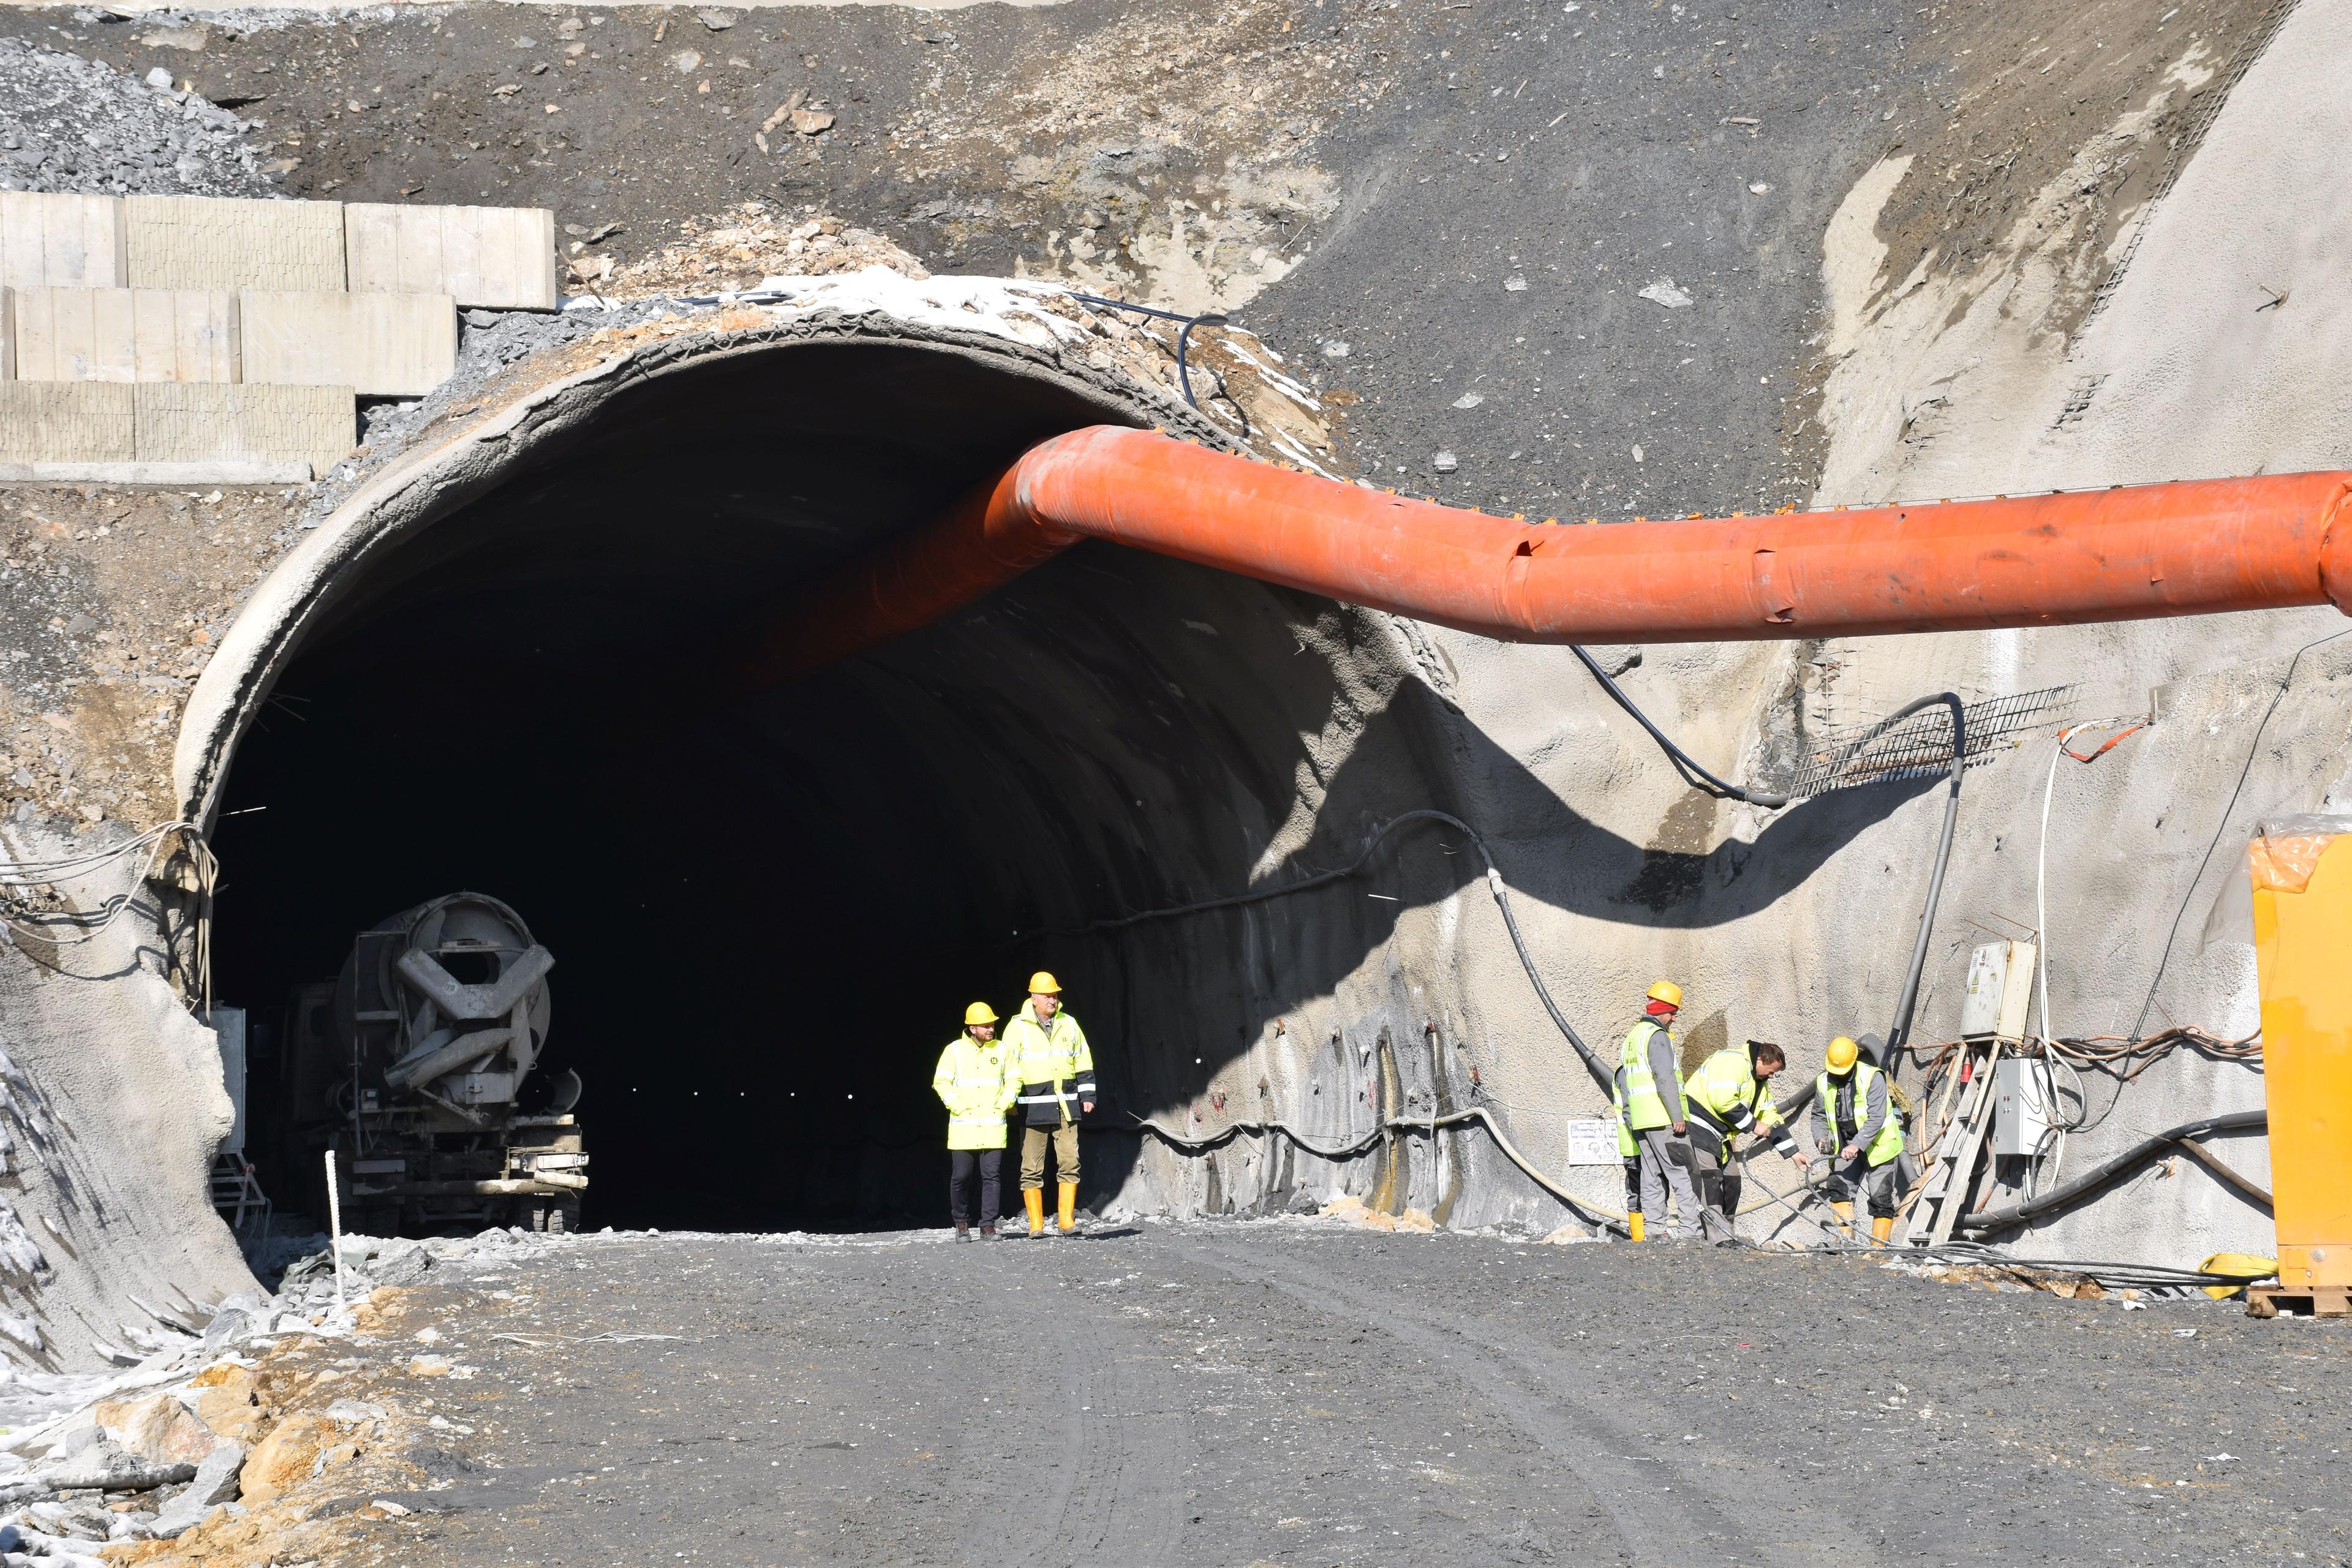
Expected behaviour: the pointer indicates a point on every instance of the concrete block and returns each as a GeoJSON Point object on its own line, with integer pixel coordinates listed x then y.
{"type": "Point", "coordinates": [217, 242]}
{"type": "Point", "coordinates": [491, 258]}
{"type": "Point", "coordinates": [380, 345]}
{"type": "Point", "coordinates": [199, 422]}
{"type": "Point", "coordinates": [7, 333]}
{"type": "Point", "coordinates": [66, 422]}
{"type": "Point", "coordinates": [61, 241]}
{"type": "Point", "coordinates": [175, 476]}
{"type": "Point", "coordinates": [125, 334]}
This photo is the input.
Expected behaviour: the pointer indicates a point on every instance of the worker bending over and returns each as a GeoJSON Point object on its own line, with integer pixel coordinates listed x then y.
{"type": "Point", "coordinates": [975, 1082]}
{"type": "Point", "coordinates": [1651, 1116]}
{"type": "Point", "coordinates": [1854, 1124]}
{"type": "Point", "coordinates": [1055, 1070]}
{"type": "Point", "coordinates": [1731, 1095]}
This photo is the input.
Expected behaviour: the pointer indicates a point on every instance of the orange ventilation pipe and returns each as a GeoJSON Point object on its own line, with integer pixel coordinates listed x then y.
{"type": "Point", "coordinates": [2127, 553]}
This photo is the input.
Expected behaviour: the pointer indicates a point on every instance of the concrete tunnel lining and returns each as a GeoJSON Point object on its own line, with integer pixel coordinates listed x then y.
{"type": "Point", "coordinates": [922, 827]}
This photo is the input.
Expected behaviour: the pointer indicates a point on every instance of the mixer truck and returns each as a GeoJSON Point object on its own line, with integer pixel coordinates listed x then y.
{"type": "Point", "coordinates": [412, 1065]}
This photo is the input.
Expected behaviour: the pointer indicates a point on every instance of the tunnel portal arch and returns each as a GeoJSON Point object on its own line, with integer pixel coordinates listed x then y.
{"type": "Point", "coordinates": [491, 666]}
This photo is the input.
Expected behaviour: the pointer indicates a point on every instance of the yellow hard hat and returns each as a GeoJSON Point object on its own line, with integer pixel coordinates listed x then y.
{"type": "Point", "coordinates": [1041, 981]}
{"type": "Point", "coordinates": [1666, 991]}
{"type": "Point", "coordinates": [979, 1013]}
{"type": "Point", "coordinates": [1843, 1053]}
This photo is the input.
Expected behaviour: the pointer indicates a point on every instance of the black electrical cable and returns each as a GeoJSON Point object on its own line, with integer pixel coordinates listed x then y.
{"type": "Point", "coordinates": [1184, 339]}
{"type": "Point", "coordinates": [1495, 885]}
{"type": "Point", "coordinates": [2221, 827]}
{"type": "Point", "coordinates": [1698, 777]}
{"type": "Point", "coordinates": [1909, 1001]}
{"type": "Point", "coordinates": [1691, 772]}
{"type": "Point", "coordinates": [2130, 1159]}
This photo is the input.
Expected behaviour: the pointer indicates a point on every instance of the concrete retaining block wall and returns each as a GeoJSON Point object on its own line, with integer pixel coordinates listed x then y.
{"type": "Point", "coordinates": [67, 421]}
{"type": "Point", "coordinates": [190, 422]}
{"type": "Point", "coordinates": [382, 345]}
{"type": "Point", "coordinates": [213, 242]}
{"type": "Point", "coordinates": [491, 257]}
{"type": "Point", "coordinates": [124, 334]}
{"type": "Point", "coordinates": [61, 241]}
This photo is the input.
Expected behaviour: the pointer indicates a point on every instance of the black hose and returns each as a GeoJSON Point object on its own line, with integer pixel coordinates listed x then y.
{"type": "Point", "coordinates": [1495, 885]}
{"type": "Point", "coordinates": [1909, 1001]}
{"type": "Point", "coordinates": [2130, 1159]}
{"type": "Point", "coordinates": [1184, 337]}
{"type": "Point", "coordinates": [1693, 772]}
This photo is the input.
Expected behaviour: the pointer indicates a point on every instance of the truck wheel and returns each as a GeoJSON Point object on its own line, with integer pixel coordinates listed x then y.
{"type": "Point", "coordinates": [564, 1216]}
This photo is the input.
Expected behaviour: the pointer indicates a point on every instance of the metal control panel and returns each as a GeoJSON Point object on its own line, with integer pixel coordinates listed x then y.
{"type": "Point", "coordinates": [2000, 991]}
{"type": "Point", "coordinates": [2022, 1105]}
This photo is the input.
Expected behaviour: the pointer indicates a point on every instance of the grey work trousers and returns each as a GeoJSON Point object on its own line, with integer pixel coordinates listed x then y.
{"type": "Point", "coordinates": [1718, 1185]}
{"type": "Point", "coordinates": [1856, 1180]}
{"type": "Point", "coordinates": [1666, 1164]}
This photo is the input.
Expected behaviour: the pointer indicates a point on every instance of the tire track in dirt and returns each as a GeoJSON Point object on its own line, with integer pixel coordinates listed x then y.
{"type": "Point", "coordinates": [1114, 1482]}
{"type": "Point", "coordinates": [1549, 1404]}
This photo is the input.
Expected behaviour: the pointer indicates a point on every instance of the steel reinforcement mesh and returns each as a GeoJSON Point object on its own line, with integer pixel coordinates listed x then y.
{"type": "Point", "coordinates": [1921, 745]}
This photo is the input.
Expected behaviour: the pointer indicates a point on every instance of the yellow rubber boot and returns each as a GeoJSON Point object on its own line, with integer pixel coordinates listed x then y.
{"type": "Point", "coordinates": [1633, 1225]}
{"type": "Point", "coordinates": [1844, 1213]}
{"type": "Point", "coordinates": [1881, 1230]}
{"type": "Point", "coordinates": [1034, 1197]}
{"type": "Point", "coordinates": [1068, 1206]}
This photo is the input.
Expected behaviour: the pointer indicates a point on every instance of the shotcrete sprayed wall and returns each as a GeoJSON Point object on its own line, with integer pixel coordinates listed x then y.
{"type": "Point", "coordinates": [495, 666]}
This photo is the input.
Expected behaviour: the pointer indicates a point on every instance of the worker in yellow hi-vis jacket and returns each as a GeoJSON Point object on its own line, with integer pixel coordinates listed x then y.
{"type": "Point", "coordinates": [975, 1081]}
{"type": "Point", "coordinates": [1051, 1061]}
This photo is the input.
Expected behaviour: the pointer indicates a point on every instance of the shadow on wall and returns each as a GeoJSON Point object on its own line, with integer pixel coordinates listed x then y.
{"type": "Point", "coordinates": [768, 920]}
{"type": "Point", "coordinates": [767, 916]}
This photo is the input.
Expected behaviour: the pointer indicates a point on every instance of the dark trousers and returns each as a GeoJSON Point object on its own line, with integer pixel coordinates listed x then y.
{"type": "Point", "coordinates": [963, 1165]}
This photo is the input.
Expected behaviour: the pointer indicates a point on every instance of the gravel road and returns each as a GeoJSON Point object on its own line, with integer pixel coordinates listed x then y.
{"type": "Point", "coordinates": [1292, 1391]}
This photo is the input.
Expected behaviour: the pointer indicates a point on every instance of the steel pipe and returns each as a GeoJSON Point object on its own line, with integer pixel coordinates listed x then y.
{"type": "Point", "coordinates": [2131, 552]}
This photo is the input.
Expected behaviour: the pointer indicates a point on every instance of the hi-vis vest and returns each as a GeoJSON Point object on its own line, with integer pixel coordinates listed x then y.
{"type": "Point", "coordinates": [1052, 1064]}
{"type": "Point", "coordinates": [1640, 1106]}
{"type": "Point", "coordinates": [974, 1082]}
{"type": "Point", "coordinates": [1845, 1104]}
{"type": "Point", "coordinates": [1726, 1097]}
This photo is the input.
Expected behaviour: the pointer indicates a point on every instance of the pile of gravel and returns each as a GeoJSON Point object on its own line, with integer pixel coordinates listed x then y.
{"type": "Point", "coordinates": [72, 124]}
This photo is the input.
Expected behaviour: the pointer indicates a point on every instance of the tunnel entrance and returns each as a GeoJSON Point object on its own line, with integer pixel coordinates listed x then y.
{"type": "Point", "coordinates": [768, 913]}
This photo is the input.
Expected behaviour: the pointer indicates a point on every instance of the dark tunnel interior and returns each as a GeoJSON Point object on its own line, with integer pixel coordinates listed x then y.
{"type": "Point", "coordinates": [768, 915]}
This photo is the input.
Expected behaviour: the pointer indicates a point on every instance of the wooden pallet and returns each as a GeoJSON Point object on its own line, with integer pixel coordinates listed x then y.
{"type": "Point", "coordinates": [2320, 1301]}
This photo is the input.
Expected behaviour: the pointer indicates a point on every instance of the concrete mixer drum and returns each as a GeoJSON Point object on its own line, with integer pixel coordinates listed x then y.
{"type": "Point", "coordinates": [441, 1014]}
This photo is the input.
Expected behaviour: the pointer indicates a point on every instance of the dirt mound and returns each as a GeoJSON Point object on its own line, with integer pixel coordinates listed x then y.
{"type": "Point", "coordinates": [735, 251]}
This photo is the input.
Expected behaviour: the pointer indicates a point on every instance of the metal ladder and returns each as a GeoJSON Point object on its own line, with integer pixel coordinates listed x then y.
{"type": "Point", "coordinates": [237, 1196]}
{"type": "Point", "coordinates": [1944, 1198]}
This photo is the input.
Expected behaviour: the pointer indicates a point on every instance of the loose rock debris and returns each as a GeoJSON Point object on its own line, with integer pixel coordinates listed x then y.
{"type": "Point", "coordinates": [72, 124]}
{"type": "Point", "coordinates": [265, 1438]}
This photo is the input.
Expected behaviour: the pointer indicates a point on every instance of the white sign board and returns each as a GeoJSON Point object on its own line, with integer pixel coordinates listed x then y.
{"type": "Point", "coordinates": [1592, 1141]}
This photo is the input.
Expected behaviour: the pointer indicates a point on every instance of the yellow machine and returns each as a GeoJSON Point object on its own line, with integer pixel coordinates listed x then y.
{"type": "Point", "coordinates": [2302, 936]}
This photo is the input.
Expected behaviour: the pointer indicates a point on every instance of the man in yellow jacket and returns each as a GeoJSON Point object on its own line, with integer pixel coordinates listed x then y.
{"type": "Point", "coordinates": [1048, 1056]}
{"type": "Point", "coordinates": [1731, 1095]}
{"type": "Point", "coordinates": [975, 1081]}
{"type": "Point", "coordinates": [1854, 1124]}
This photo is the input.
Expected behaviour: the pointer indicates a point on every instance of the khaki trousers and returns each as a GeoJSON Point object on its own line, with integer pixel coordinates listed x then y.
{"type": "Point", "coordinates": [1065, 1140]}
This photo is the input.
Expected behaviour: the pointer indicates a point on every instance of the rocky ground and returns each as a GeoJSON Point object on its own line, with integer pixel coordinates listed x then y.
{"type": "Point", "coordinates": [251, 1430]}
{"type": "Point", "coordinates": [1296, 1391]}
{"type": "Point", "coordinates": [68, 123]}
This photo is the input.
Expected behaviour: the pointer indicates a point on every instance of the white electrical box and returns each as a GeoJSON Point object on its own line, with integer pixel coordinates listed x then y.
{"type": "Point", "coordinates": [1592, 1141]}
{"type": "Point", "coordinates": [2000, 991]}
{"type": "Point", "coordinates": [2022, 1105]}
